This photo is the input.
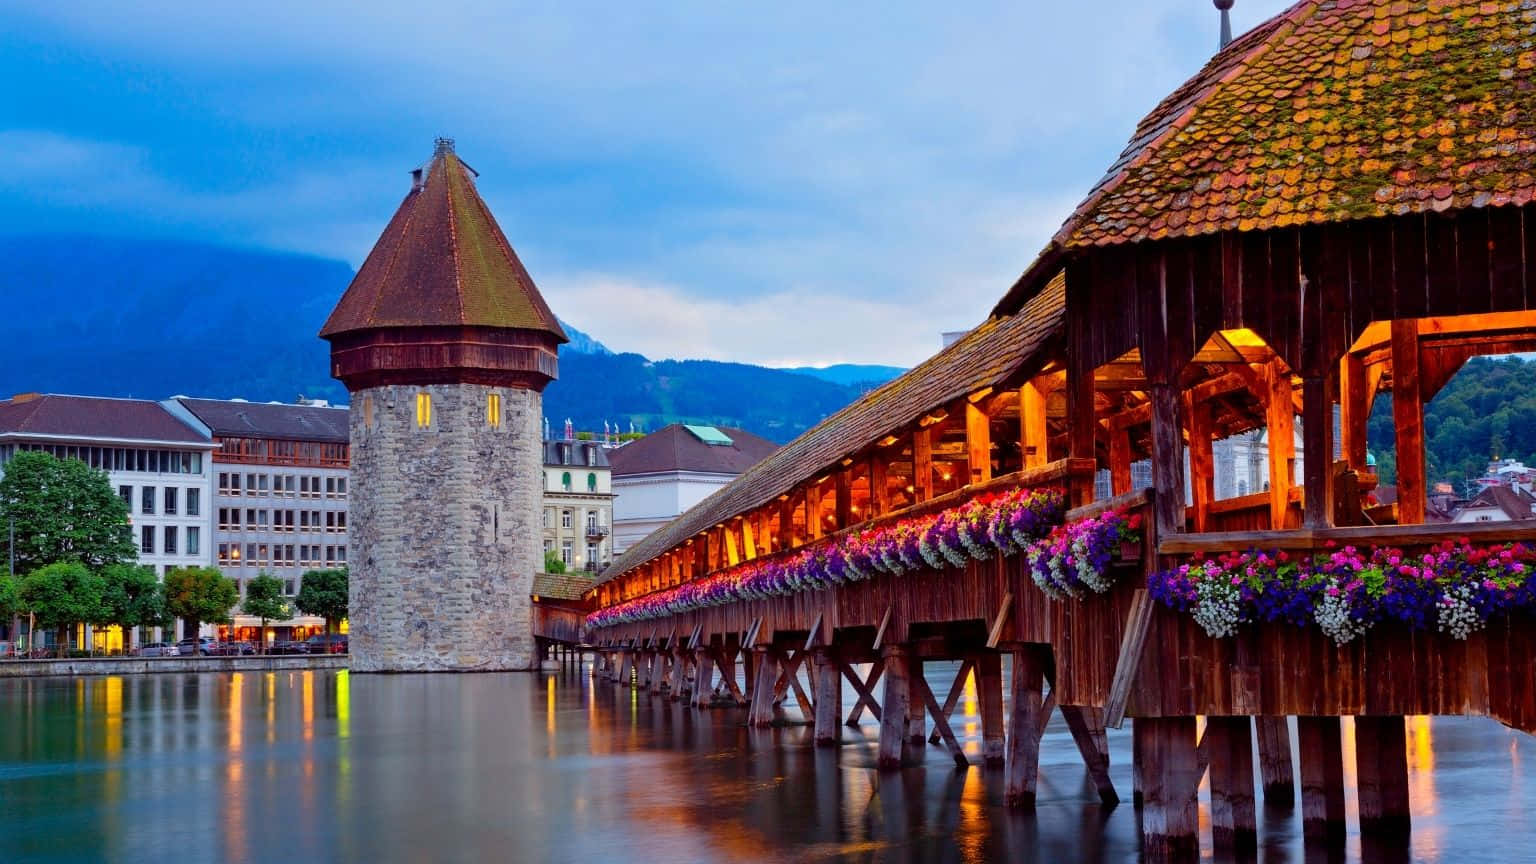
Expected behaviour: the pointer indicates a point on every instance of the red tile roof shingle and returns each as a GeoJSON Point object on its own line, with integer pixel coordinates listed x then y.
{"type": "Point", "coordinates": [442, 261]}
{"type": "Point", "coordinates": [674, 448]}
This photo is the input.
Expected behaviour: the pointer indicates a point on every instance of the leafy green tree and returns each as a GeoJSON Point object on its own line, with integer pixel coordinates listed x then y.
{"type": "Point", "coordinates": [131, 597]}
{"type": "Point", "coordinates": [264, 599]}
{"type": "Point", "coordinates": [8, 604]}
{"type": "Point", "coordinates": [553, 564]}
{"type": "Point", "coordinates": [199, 595]}
{"type": "Point", "coordinates": [323, 593]}
{"type": "Point", "coordinates": [61, 596]}
{"type": "Point", "coordinates": [64, 511]}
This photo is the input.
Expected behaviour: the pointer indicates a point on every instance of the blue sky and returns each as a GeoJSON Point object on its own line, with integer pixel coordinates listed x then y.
{"type": "Point", "coordinates": [772, 183]}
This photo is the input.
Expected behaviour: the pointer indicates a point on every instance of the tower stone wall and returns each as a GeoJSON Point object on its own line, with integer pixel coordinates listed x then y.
{"type": "Point", "coordinates": [445, 530]}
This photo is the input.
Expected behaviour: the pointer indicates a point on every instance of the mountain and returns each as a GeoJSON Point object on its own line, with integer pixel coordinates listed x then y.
{"type": "Point", "coordinates": [154, 318]}
{"type": "Point", "coordinates": [860, 375]}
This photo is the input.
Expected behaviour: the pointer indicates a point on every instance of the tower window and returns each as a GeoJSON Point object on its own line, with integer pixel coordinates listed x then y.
{"type": "Point", "coordinates": [423, 409]}
{"type": "Point", "coordinates": [493, 410]}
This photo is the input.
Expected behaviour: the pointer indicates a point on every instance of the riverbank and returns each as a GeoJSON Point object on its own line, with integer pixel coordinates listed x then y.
{"type": "Point", "coordinates": [151, 665]}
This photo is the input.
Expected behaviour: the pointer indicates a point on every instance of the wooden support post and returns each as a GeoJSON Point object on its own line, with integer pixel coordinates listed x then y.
{"type": "Point", "coordinates": [1408, 423]}
{"type": "Point", "coordinates": [749, 538]}
{"type": "Point", "coordinates": [1034, 438]}
{"type": "Point", "coordinates": [626, 668]}
{"type": "Point", "coordinates": [917, 728]}
{"type": "Point", "coordinates": [978, 443]}
{"type": "Point", "coordinates": [767, 663]}
{"type": "Point", "coordinates": [679, 675]}
{"type": "Point", "coordinates": [922, 464]}
{"type": "Point", "coordinates": [865, 691]}
{"type": "Point", "coordinates": [988, 669]}
{"type": "Point", "coordinates": [1275, 761]}
{"type": "Point", "coordinates": [1322, 778]}
{"type": "Point", "coordinates": [813, 523]}
{"type": "Point", "coordinates": [1354, 409]}
{"type": "Point", "coordinates": [1202, 463]}
{"type": "Point", "coordinates": [1138, 762]}
{"type": "Point", "coordinates": [1087, 728]}
{"type": "Point", "coordinates": [787, 539]}
{"type": "Point", "coordinates": [1081, 419]}
{"type": "Point", "coordinates": [1023, 766]}
{"type": "Point", "coordinates": [1234, 825]}
{"type": "Point", "coordinates": [879, 487]}
{"type": "Point", "coordinates": [843, 490]}
{"type": "Point", "coordinates": [703, 678]}
{"type": "Point", "coordinates": [659, 673]}
{"type": "Point", "coordinates": [1167, 460]}
{"type": "Point", "coordinates": [829, 697]}
{"type": "Point", "coordinates": [1381, 764]}
{"type": "Point", "coordinates": [1317, 446]}
{"type": "Point", "coordinates": [1280, 417]}
{"type": "Point", "coordinates": [1120, 461]}
{"type": "Point", "coordinates": [727, 662]}
{"type": "Point", "coordinates": [924, 695]}
{"type": "Point", "coordinates": [956, 689]}
{"type": "Point", "coordinates": [893, 713]}
{"type": "Point", "coordinates": [1170, 816]}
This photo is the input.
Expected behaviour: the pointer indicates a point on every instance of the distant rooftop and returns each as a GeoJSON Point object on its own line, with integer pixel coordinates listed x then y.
{"type": "Point", "coordinates": [702, 449]}
{"type": "Point", "coordinates": [58, 415]}
{"type": "Point", "coordinates": [575, 452]}
{"type": "Point", "coordinates": [239, 419]}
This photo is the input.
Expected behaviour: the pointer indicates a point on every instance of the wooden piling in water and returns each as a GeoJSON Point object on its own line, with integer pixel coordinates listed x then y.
{"type": "Point", "coordinates": [893, 710]}
{"type": "Point", "coordinates": [1381, 763]}
{"type": "Point", "coordinates": [767, 667]}
{"type": "Point", "coordinates": [1170, 817]}
{"type": "Point", "coordinates": [1320, 745]}
{"type": "Point", "coordinates": [1023, 762]}
{"type": "Point", "coordinates": [988, 668]}
{"type": "Point", "coordinates": [1275, 761]}
{"type": "Point", "coordinates": [829, 697]}
{"type": "Point", "coordinates": [1234, 826]}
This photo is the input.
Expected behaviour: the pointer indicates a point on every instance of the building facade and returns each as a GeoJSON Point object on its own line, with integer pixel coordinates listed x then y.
{"type": "Point", "coordinates": [159, 465]}
{"type": "Point", "coordinates": [657, 477]}
{"type": "Point", "coordinates": [578, 504]}
{"type": "Point", "coordinates": [280, 491]}
{"type": "Point", "coordinates": [446, 346]}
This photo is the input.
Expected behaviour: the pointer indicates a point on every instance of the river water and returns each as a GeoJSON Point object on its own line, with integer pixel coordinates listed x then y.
{"type": "Point", "coordinates": [322, 766]}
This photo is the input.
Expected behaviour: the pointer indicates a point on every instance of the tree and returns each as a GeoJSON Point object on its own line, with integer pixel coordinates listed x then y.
{"type": "Point", "coordinates": [264, 600]}
{"type": "Point", "coordinates": [553, 564]}
{"type": "Point", "coordinates": [64, 511]}
{"type": "Point", "coordinates": [8, 604]}
{"type": "Point", "coordinates": [131, 597]}
{"type": "Point", "coordinates": [324, 593]}
{"type": "Point", "coordinates": [61, 596]}
{"type": "Point", "coordinates": [199, 595]}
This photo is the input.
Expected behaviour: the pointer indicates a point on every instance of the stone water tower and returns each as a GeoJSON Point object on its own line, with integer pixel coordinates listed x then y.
{"type": "Point", "coordinates": [446, 346]}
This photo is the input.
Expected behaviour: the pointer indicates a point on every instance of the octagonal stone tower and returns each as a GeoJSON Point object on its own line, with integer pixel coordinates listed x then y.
{"type": "Point", "coordinates": [446, 346]}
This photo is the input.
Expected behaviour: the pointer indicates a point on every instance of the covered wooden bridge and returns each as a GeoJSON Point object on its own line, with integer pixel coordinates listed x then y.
{"type": "Point", "coordinates": [1336, 208]}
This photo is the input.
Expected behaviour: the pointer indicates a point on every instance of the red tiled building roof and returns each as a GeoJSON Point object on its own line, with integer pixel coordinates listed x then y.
{"type": "Point", "coordinates": [674, 448]}
{"type": "Point", "coordinates": [234, 419]}
{"type": "Point", "coordinates": [1333, 110]}
{"type": "Point", "coordinates": [442, 262]}
{"type": "Point", "coordinates": [51, 415]}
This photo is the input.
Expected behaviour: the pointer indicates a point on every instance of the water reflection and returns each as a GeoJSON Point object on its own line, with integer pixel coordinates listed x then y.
{"type": "Point", "coordinates": [325, 766]}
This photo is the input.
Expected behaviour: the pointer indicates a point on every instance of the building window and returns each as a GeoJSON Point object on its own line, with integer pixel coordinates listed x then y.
{"type": "Point", "coordinates": [493, 410]}
{"type": "Point", "coordinates": [565, 518]}
{"type": "Point", "coordinates": [223, 551]}
{"type": "Point", "coordinates": [423, 409]}
{"type": "Point", "coordinates": [548, 521]}
{"type": "Point", "coordinates": [565, 481]}
{"type": "Point", "coordinates": [591, 482]}
{"type": "Point", "coordinates": [147, 540]}
{"type": "Point", "coordinates": [591, 556]}
{"type": "Point", "coordinates": [591, 521]}
{"type": "Point", "coordinates": [565, 552]}
{"type": "Point", "coordinates": [170, 500]}
{"type": "Point", "coordinates": [194, 540]}
{"type": "Point", "coordinates": [288, 587]}
{"type": "Point", "coordinates": [170, 540]}
{"type": "Point", "coordinates": [194, 502]}
{"type": "Point", "coordinates": [147, 500]}
{"type": "Point", "coordinates": [126, 493]}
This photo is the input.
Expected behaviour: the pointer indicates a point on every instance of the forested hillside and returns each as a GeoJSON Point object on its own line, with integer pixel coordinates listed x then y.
{"type": "Point", "coordinates": [1487, 411]}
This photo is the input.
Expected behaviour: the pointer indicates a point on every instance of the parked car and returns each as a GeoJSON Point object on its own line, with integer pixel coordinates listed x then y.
{"type": "Point", "coordinates": [335, 643]}
{"type": "Point", "coordinates": [188, 647]}
{"type": "Point", "coordinates": [289, 648]}
{"type": "Point", "coordinates": [156, 649]}
{"type": "Point", "coordinates": [232, 649]}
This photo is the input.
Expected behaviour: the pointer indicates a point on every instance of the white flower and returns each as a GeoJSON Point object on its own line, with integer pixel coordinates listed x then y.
{"type": "Point", "coordinates": [1457, 615]}
{"type": "Point", "coordinates": [1217, 607]}
{"type": "Point", "coordinates": [1334, 618]}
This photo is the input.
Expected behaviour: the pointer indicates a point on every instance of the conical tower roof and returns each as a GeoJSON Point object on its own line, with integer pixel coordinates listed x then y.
{"type": "Point", "coordinates": [442, 262]}
{"type": "Point", "coordinates": [442, 297]}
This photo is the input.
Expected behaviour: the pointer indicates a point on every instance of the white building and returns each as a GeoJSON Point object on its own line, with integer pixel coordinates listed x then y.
{"type": "Point", "coordinates": [161, 467]}
{"type": "Point", "coordinates": [659, 476]}
{"type": "Point", "coordinates": [280, 496]}
{"type": "Point", "coordinates": [578, 503]}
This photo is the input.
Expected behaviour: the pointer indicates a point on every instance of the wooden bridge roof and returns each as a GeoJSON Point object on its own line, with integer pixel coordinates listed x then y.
{"type": "Point", "coordinates": [985, 357]}
{"type": "Point", "coordinates": [560, 586]}
{"type": "Point", "coordinates": [1333, 110]}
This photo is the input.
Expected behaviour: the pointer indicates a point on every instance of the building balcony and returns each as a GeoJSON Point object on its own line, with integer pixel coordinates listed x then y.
{"type": "Point", "coordinates": [596, 531]}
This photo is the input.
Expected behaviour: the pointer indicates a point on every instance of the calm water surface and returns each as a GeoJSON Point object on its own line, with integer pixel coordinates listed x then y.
{"type": "Point", "coordinates": [316, 766]}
